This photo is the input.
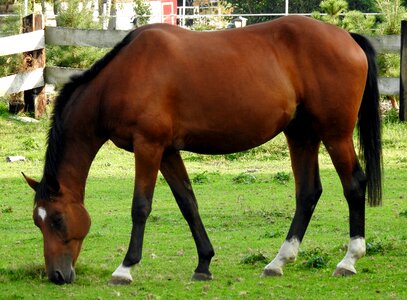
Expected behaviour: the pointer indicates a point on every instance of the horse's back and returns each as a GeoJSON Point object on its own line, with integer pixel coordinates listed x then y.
{"type": "Point", "coordinates": [232, 90]}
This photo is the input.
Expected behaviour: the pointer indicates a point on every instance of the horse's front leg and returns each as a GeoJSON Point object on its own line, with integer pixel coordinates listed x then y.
{"type": "Point", "coordinates": [148, 159]}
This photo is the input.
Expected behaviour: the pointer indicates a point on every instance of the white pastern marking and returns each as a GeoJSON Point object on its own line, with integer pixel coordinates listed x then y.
{"type": "Point", "coordinates": [123, 272]}
{"type": "Point", "coordinates": [42, 213]}
{"type": "Point", "coordinates": [287, 253]}
{"type": "Point", "coordinates": [356, 250]}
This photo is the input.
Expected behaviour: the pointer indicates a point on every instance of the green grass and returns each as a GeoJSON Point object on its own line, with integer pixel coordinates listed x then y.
{"type": "Point", "coordinates": [246, 202]}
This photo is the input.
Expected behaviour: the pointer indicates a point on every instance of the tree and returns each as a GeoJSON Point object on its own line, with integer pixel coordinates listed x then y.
{"type": "Point", "coordinates": [333, 9]}
{"type": "Point", "coordinates": [76, 15]}
{"type": "Point", "coordinates": [303, 7]}
{"type": "Point", "coordinates": [356, 21]}
{"type": "Point", "coordinates": [362, 5]}
{"type": "Point", "coordinates": [392, 13]}
{"type": "Point", "coordinates": [256, 7]}
{"type": "Point", "coordinates": [143, 12]}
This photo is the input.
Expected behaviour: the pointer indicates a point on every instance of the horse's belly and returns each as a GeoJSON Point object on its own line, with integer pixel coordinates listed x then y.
{"type": "Point", "coordinates": [233, 134]}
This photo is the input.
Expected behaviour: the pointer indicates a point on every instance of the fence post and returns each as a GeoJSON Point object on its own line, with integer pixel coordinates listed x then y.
{"type": "Point", "coordinates": [35, 99]}
{"type": "Point", "coordinates": [403, 72]}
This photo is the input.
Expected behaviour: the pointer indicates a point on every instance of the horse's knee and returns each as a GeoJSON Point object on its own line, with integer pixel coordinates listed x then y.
{"type": "Point", "coordinates": [357, 187]}
{"type": "Point", "coordinates": [309, 199]}
{"type": "Point", "coordinates": [140, 213]}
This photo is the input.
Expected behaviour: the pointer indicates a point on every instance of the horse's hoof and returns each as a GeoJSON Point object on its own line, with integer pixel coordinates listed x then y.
{"type": "Point", "coordinates": [343, 272]}
{"type": "Point", "coordinates": [116, 280]}
{"type": "Point", "coordinates": [202, 276]}
{"type": "Point", "coordinates": [272, 272]}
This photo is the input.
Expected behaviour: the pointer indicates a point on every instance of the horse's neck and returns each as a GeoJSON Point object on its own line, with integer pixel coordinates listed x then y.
{"type": "Point", "coordinates": [81, 146]}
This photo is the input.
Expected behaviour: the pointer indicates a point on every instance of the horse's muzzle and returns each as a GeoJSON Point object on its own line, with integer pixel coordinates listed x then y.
{"type": "Point", "coordinates": [59, 276]}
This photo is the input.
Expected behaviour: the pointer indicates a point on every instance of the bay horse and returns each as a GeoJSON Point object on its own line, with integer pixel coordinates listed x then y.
{"type": "Point", "coordinates": [164, 89]}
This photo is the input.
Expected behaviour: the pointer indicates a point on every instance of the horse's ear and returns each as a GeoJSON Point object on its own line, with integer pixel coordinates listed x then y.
{"type": "Point", "coordinates": [31, 182]}
{"type": "Point", "coordinates": [52, 184]}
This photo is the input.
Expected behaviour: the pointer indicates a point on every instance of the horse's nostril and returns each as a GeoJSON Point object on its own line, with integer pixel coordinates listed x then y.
{"type": "Point", "coordinates": [58, 277]}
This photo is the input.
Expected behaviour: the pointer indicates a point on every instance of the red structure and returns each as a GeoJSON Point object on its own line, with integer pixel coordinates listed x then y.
{"type": "Point", "coordinates": [164, 11]}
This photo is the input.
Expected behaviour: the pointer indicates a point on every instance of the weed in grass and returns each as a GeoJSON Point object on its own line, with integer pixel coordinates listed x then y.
{"type": "Point", "coordinates": [282, 177]}
{"type": "Point", "coordinates": [269, 216]}
{"type": "Point", "coordinates": [271, 235]}
{"type": "Point", "coordinates": [403, 213]}
{"type": "Point", "coordinates": [314, 258]}
{"type": "Point", "coordinates": [201, 178]}
{"type": "Point", "coordinates": [235, 156]}
{"type": "Point", "coordinates": [255, 259]}
{"type": "Point", "coordinates": [391, 116]}
{"type": "Point", "coordinates": [7, 210]}
{"type": "Point", "coordinates": [187, 156]}
{"type": "Point", "coordinates": [378, 247]}
{"type": "Point", "coordinates": [30, 144]}
{"type": "Point", "coordinates": [244, 178]}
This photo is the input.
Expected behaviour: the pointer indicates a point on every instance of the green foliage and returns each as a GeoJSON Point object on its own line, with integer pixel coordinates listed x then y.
{"type": "Point", "coordinates": [392, 13]}
{"type": "Point", "coordinates": [391, 116]}
{"type": "Point", "coordinates": [244, 178]}
{"type": "Point", "coordinates": [10, 64]}
{"type": "Point", "coordinates": [253, 7]}
{"type": "Point", "coordinates": [377, 247]}
{"type": "Point", "coordinates": [337, 14]}
{"type": "Point", "coordinates": [282, 177]}
{"type": "Point", "coordinates": [235, 156]}
{"type": "Point", "coordinates": [356, 21]}
{"type": "Point", "coordinates": [201, 178]}
{"type": "Point", "coordinates": [74, 57]}
{"type": "Point", "coordinates": [77, 15]}
{"type": "Point", "coordinates": [300, 6]}
{"type": "Point", "coordinates": [334, 7]}
{"type": "Point", "coordinates": [271, 235]}
{"type": "Point", "coordinates": [30, 144]}
{"type": "Point", "coordinates": [315, 258]}
{"type": "Point", "coordinates": [143, 12]}
{"type": "Point", "coordinates": [389, 64]}
{"type": "Point", "coordinates": [214, 22]}
{"type": "Point", "coordinates": [362, 5]}
{"type": "Point", "coordinates": [255, 259]}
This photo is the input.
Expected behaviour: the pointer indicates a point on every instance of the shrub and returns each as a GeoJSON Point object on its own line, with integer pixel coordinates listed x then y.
{"type": "Point", "coordinates": [244, 178]}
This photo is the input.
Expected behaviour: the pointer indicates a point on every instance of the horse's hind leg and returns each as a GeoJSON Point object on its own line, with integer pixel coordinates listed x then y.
{"type": "Point", "coordinates": [175, 174]}
{"type": "Point", "coordinates": [353, 181]}
{"type": "Point", "coordinates": [304, 146]}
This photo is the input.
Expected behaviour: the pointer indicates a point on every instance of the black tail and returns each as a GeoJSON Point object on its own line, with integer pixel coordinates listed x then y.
{"type": "Point", "coordinates": [369, 126]}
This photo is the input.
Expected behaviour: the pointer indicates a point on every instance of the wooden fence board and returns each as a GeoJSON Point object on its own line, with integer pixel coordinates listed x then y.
{"type": "Point", "coordinates": [81, 37]}
{"type": "Point", "coordinates": [22, 42]}
{"type": "Point", "coordinates": [389, 85]}
{"type": "Point", "coordinates": [59, 76]}
{"type": "Point", "coordinates": [386, 43]}
{"type": "Point", "coordinates": [21, 82]}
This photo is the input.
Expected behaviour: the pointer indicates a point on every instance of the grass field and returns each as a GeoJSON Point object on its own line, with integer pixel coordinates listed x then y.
{"type": "Point", "coordinates": [246, 201]}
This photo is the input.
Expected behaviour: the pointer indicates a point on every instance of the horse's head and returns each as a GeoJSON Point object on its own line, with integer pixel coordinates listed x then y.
{"type": "Point", "coordinates": [64, 223]}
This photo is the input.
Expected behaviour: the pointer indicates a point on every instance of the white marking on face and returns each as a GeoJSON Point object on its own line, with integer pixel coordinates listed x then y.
{"type": "Point", "coordinates": [42, 213]}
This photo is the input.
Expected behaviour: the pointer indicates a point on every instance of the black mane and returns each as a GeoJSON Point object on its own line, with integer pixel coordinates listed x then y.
{"type": "Point", "coordinates": [55, 141]}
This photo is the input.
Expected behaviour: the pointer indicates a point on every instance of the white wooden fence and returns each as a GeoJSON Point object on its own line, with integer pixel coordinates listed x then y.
{"type": "Point", "coordinates": [107, 39]}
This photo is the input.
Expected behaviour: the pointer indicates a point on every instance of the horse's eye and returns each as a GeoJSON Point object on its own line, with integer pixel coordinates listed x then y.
{"type": "Point", "coordinates": [57, 222]}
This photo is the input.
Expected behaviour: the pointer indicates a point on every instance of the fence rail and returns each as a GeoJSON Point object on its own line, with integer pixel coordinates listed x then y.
{"type": "Point", "coordinates": [107, 39]}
